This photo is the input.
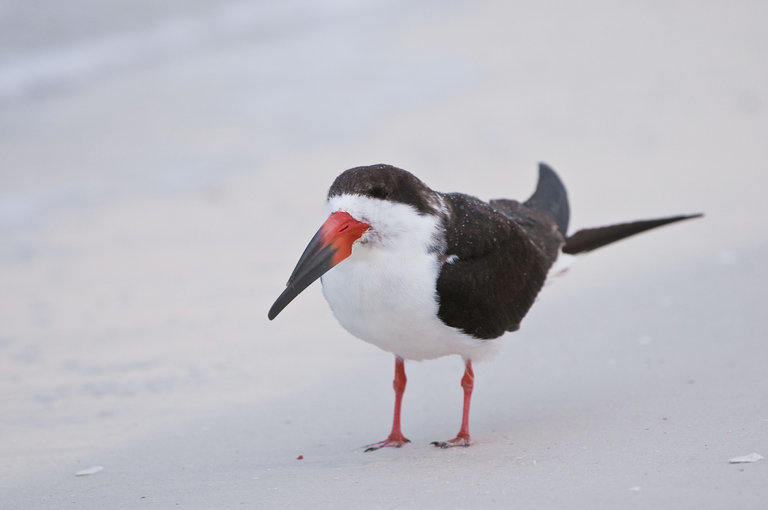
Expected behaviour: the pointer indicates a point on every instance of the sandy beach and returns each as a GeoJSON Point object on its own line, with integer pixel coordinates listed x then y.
{"type": "Point", "coordinates": [162, 169]}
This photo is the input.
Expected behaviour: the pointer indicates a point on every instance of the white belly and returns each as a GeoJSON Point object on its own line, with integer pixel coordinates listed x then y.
{"type": "Point", "coordinates": [387, 297]}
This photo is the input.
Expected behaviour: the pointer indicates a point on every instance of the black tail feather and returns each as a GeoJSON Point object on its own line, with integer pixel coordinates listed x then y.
{"type": "Point", "coordinates": [592, 238]}
{"type": "Point", "coordinates": [551, 198]}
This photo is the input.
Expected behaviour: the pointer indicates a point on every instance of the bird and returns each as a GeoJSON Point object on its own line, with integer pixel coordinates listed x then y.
{"type": "Point", "coordinates": [424, 274]}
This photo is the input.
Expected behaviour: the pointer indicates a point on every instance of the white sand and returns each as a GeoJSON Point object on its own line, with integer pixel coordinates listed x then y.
{"type": "Point", "coordinates": [151, 211]}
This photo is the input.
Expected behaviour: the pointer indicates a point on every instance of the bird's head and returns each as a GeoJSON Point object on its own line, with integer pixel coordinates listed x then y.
{"type": "Point", "coordinates": [374, 205]}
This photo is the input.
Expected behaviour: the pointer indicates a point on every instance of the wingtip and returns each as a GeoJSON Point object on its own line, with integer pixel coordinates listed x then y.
{"type": "Point", "coordinates": [683, 217]}
{"type": "Point", "coordinates": [592, 238]}
{"type": "Point", "coordinates": [551, 197]}
{"type": "Point", "coordinates": [544, 168]}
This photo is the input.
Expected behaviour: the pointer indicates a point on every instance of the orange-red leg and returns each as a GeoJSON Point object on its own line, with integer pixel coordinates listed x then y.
{"type": "Point", "coordinates": [463, 438]}
{"type": "Point", "coordinates": [396, 438]}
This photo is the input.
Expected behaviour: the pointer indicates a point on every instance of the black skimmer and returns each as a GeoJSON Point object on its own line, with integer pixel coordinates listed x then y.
{"type": "Point", "coordinates": [424, 274]}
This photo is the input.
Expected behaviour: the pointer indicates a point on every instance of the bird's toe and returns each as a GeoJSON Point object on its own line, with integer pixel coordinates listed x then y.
{"type": "Point", "coordinates": [387, 443]}
{"type": "Point", "coordinates": [456, 441]}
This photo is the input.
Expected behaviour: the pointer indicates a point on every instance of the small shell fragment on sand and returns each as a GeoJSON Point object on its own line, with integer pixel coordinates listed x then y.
{"type": "Point", "coordinates": [752, 457]}
{"type": "Point", "coordinates": [90, 471]}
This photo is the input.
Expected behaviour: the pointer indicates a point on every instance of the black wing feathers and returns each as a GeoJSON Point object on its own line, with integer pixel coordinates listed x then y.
{"type": "Point", "coordinates": [497, 254]}
{"type": "Point", "coordinates": [551, 198]}
{"type": "Point", "coordinates": [503, 251]}
{"type": "Point", "coordinates": [592, 238]}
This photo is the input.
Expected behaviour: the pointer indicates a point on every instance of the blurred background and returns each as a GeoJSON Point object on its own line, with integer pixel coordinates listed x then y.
{"type": "Point", "coordinates": [163, 164]}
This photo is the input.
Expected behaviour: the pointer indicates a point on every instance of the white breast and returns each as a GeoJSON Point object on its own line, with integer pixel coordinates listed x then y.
{"type": "Point", "coordinates": [384, 292]}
